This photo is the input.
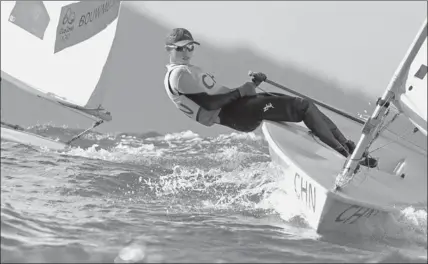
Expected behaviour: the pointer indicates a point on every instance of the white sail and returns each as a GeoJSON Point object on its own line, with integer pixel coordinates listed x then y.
{"type": "Point", "coordinates": [57, 49]}
{"type": "Point", "coordinates": [412, 97]}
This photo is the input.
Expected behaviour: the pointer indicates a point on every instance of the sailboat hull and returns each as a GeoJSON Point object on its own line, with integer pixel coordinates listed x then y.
{"type": "Point", "coordinates": [31, 139]}
{"type": "Point", "coordinates": [367, 204]}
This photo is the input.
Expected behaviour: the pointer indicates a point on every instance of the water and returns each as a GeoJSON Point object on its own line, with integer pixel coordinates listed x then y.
{"type": "Point", "coordinates": [168, 198]}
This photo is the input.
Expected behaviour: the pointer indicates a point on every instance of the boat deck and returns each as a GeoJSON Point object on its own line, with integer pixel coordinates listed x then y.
{"type": "Point", "coordinates": [371, 186]}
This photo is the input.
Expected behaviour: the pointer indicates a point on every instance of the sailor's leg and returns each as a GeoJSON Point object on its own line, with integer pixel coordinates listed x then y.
{"type": "Point", "coordinates": [333, 128]}
{"type": "Point", "coordinates": [348, 144]}
{"type": "Point", "coordinates": [293, 109]}
{"type": "Point", "coordinates": [323, 127]}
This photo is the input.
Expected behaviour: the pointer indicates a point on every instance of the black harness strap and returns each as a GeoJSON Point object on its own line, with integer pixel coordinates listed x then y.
{"type": "Point", "coordinates": [169, 84]}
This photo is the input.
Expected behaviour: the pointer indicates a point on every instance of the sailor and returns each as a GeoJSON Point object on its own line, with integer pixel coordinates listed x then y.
{"type": "Point", "coordinates": [199, 96]}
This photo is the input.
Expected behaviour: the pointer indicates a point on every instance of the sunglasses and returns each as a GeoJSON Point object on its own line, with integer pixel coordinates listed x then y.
{"type": "Point", "coordinates": [189, 48]}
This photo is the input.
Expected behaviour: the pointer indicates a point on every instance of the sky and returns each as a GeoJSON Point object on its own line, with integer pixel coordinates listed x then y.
{"type": "Point", "coordinates": [359, 44]}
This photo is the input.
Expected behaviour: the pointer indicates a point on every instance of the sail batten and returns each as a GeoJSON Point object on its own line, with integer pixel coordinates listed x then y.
{"type": "Point", "coordinates": [32, 56]}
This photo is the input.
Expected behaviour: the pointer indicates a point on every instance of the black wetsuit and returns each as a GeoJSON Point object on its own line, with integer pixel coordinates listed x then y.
{"type": "Point", "coordinates": [247, 113]}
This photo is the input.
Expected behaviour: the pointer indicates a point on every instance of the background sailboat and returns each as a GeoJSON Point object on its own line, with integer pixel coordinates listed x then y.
{"type": "Point", "coordinates": [57, 51]}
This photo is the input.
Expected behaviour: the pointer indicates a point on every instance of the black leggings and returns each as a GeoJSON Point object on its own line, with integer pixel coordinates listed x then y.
{"type": "Point", "coordinates": [247, 113]}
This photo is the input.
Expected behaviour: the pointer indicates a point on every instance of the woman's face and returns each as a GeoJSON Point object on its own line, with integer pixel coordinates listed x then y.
{"type": "Point", "coordinates": [181, 55]}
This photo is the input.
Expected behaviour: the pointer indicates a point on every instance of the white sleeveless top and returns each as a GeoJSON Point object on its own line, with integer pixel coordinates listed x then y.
{"type": "Point", "coordinates": [190, 79]}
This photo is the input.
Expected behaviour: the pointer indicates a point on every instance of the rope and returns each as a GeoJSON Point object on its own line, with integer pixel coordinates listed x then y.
{"type": "Point", "coordinates": [99, 122]}
{"type": "Point", "coordinates": [414, 130]}
{"type": "Point", "coordinates": [402, 136]}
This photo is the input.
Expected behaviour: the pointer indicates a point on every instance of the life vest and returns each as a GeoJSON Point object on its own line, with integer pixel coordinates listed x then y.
{"type": "Point", "coordinates": [204, 83]}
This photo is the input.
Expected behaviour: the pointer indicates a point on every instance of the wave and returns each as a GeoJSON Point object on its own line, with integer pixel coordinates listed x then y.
{"type": "Point", "coordinates": [181, 174]}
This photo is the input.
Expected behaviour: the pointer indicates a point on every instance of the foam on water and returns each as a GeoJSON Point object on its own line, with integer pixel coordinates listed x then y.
{"type": "Point", "coordinates": [182, 173]}
{"type": "Point", "coordinates": [254, 169]}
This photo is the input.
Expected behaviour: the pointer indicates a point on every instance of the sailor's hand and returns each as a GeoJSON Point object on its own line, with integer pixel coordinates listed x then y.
{"type": "Point", "coordinates": [248, 89]}
{"type": "Point", "coordinates": [258, 78]}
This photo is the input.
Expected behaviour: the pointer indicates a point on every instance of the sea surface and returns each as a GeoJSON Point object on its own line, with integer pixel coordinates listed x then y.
{"type": "Point", "coordinates": [180, 197]}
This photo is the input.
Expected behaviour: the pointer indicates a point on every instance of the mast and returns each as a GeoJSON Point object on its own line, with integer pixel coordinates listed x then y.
{"type": "Point", "coordinates": [372, 125]}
